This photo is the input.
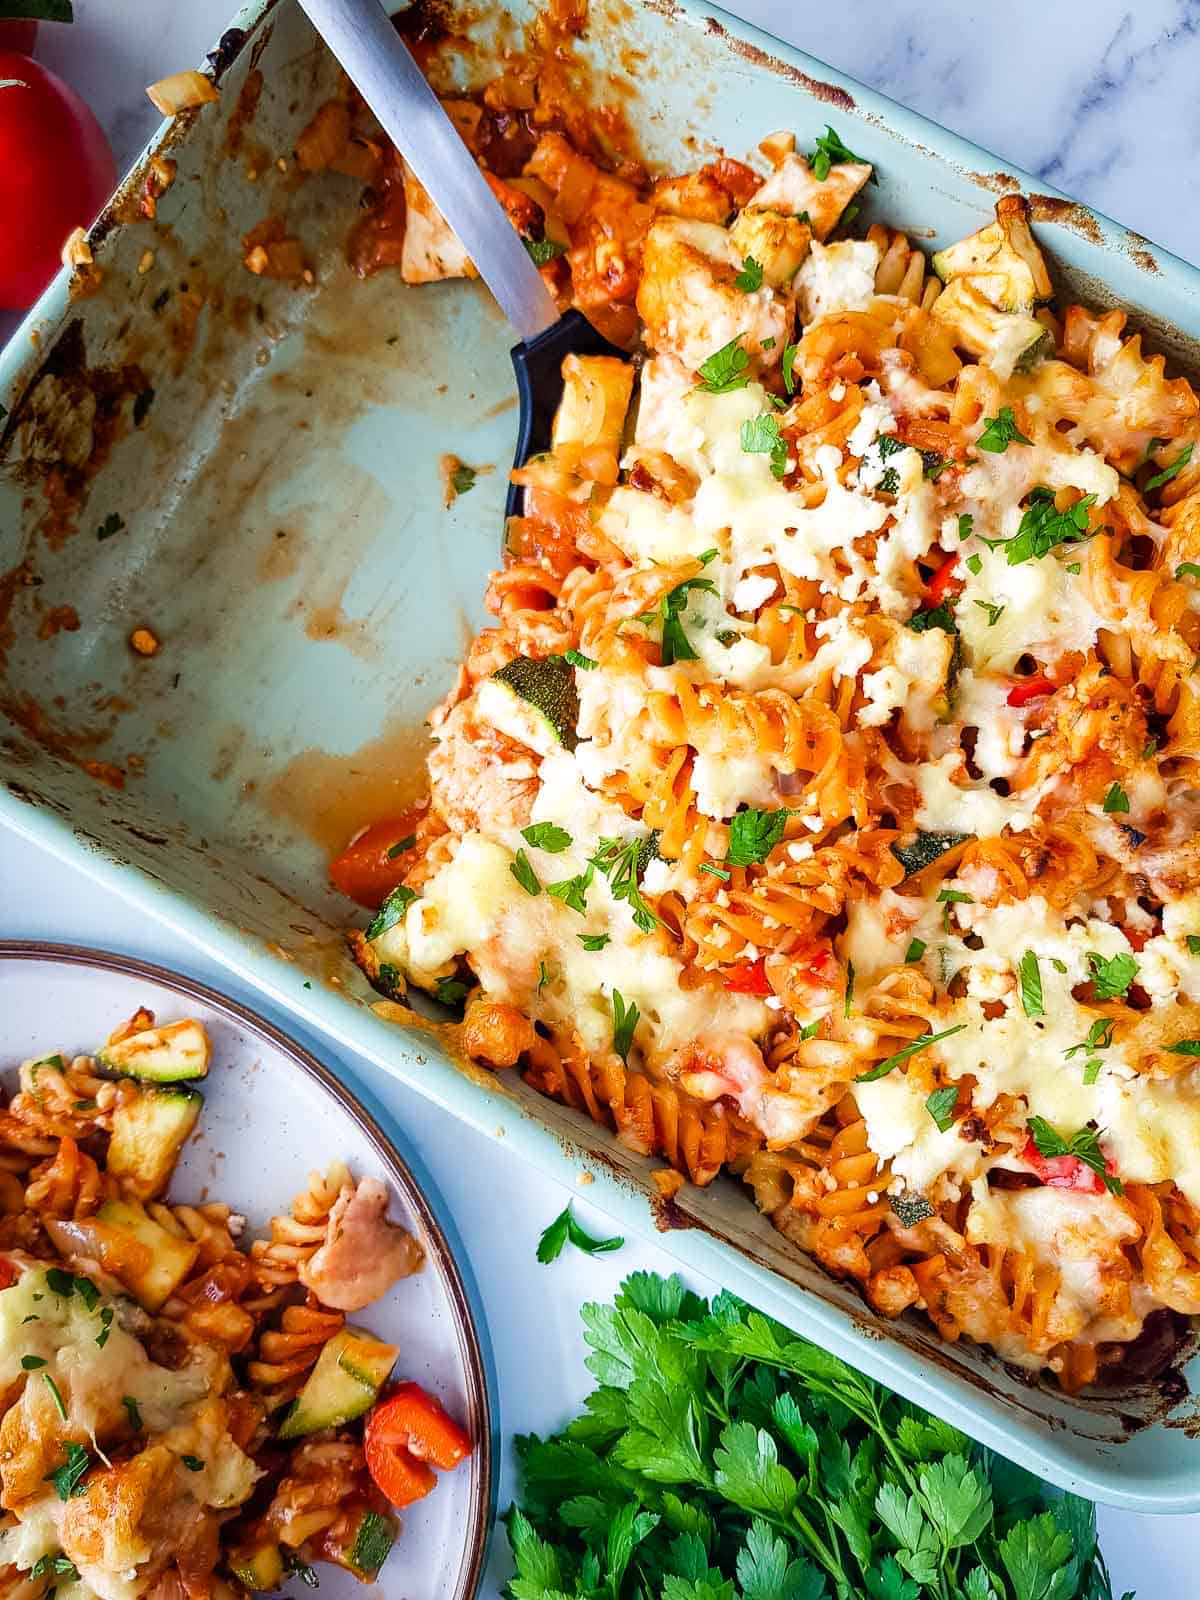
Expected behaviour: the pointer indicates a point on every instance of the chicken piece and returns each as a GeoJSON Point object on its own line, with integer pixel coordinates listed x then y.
{"type": "Point", "coordinates": [363, 1254]}
{"type": "Point", "coordinates": [792, 190]}
{"type": "Point", "coordinates": [494, 1033]}
{"type": "Point", "coordinates": [777, 242]}
{"type": "Point", "coordinates": [692, 306]}
{"type": "Point", "coordinates": [479, 771]}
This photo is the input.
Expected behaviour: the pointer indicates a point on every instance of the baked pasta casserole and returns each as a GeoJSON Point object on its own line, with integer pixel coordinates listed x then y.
{"type": "Point", "coordinates": [822, 806]}
{"type": "Point", "coordinates": [186, 1414]}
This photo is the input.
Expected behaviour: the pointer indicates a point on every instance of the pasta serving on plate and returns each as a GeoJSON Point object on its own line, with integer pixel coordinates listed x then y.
{"type": "Point", "coordinates": [822, 805]}
{"type": "Point", "coordinates": [184, 1412]}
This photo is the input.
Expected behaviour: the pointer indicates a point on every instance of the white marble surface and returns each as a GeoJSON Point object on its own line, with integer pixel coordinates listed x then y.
{"type": "Point", "coordinates": [1096, 96]}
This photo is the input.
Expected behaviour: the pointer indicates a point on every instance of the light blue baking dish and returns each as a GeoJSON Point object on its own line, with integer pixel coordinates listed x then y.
{"type": "Point", "coordinates": [271, 456]}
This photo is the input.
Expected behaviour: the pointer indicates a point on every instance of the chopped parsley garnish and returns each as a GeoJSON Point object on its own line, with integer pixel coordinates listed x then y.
{"type": "Point", "coordinates": [66, 1479]}
{"type": "Point", "coordinates": [1111, 975]}
{"type": "Point", "coordinates": [1091, 1069]}
{"type": "Point", "coordinates": [787, 366]}
{"type": "Point", "coordinates": [994, 612]}
{"type": "Point", "coordinates": [565, 1229]}
{"type": "Point", "coordinates": [1043, 528]}
{"type": "Point", "coordinates": [31, 1363]}
{"type": "Point", "coordinates": [55, 1395]}
{"type": "Point", "coordinates": [112, 524]}
{"type": "Point", "coordinates": [974, 565]}
{"type": "Point", "coordinates": [462, 479]}
{"type": "Point", "coordinates": [849, 998]}
{"type": "Point", "coordinates": [830, 152]}
{"type": "Point", "coordinates": [888, 445]}
{"type": "Point", "coordinates": [1100, 1037]}
{"type": "Point", "coordinates": [401, 845]}
{"type": "Point", "coordinates": [940, 1106]}
{"type": "Point", "coordinates": [1084, 1146]}
{"type": "Point", "coordinates": [106, 1317]}
{"type": "Point", "coordinates": [523, 872]}
{"type": "Point", "coordinates": [753, 835]}
{"type": "Point", "coordinates": [725, 369]}
{"type": "Point", "coordinates": [390, 912]}
{"type": "Point", "coordinates": [543, 250]}
{"type": "Point", "coordinates": [768, 344]}
{"type": "Point", "coordinates": [1074, 568]}
{"type": "Point", "coordinates": [715, 872]}
{"type": "Point", "coordinates": [676, 646]}
{"type": "Point", "coordinates": [761, 437]}
{"type": "Point", "coordinates": [882, 1068]}
{"type": "Point", "coordinates": [941, 616]}
{"type": "Point", "coordinates": [134, 1412]}
{"type": "Point", "coordinates": [1185, 1047]}
{"type": "Point", "coordinates": [625, 1021]}
{"type": "Point", "coordinates": [1032, 1001]}
{"type": "Point", "coordinates": [810, 1030]}
{"type": "Point", "coordinates": [1187, 569]}
{"type": "Point", "coordinates": [578, 659]}
{"type": "Point", "coordinates": [999, 432]}
{"type": "Point", "coordinates": [451, 991]}
{"type": "Point", "coordinates": [750, 277]}
{"type": "Point", "coordinates": [952, 897]}
{"type": "Point", "coordinates": [1116, 799]}
{"type": "Point", "coordinates": [192, 1463]}
{"type": "Point", "coordinates": [65, 1284]}
{"type": "Point", "coordinates": [915, 950]}
{"type": "Point", "coordinates": [623, 862]}
{"type": "Point", "coordinates": [573, 891]}
{"type": "Point", "coordinates": [1193, 944]}
{"type": "Point", "coordinates": [59, 1566]}
{"type": "Point", "coordinates": [1176, 467]}
{"type": "Point", "coordinates": [593, 941]}
{"type": "Point", "coordinates": [545, 976]}
{"type": "Point", "coordinates": [546, 836]}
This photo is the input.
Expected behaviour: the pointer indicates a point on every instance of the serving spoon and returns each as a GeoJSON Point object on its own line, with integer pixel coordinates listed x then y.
{"type": "Point", "coordinates": [375, 59]}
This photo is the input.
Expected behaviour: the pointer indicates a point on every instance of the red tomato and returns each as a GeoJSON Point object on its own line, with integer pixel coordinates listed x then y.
{"type": "Point", "coordinates": [403, 1434]}
{"type": "Point", "coordinates": [1030, 689]}
{"type": "Point", "coordinates": [365, 870]}
{"type": "Point", "coordinates": [19, 36]}
{"type": "Point", "coordinates": [1062, 1172]}
{"type": "Point", "coordinates": [8, 1273]}
{"type": "Point", "coordinates": [56, 171]}
{"type": "Point", "coordinates": [944, 581]}
{"type": "Point", "coordinates": [749, 977]}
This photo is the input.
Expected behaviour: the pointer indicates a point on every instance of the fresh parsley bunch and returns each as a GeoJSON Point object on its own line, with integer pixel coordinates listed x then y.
{"type": "Point", "coordinates": [722, 1458]}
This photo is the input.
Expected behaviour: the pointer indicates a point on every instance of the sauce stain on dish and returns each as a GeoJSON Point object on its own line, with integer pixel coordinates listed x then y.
{"type": "Point", "coordinates": [330, 797]}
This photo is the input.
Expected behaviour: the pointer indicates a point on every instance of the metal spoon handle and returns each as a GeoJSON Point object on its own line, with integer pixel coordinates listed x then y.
{"type": "Point", "coordinates": [379, 65]}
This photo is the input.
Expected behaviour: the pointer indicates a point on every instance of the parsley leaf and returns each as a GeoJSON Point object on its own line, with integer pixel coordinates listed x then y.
{"type": "Point", "coordinates": [915, 950]}
{"type": "Point", "coordinates": [60, 1566]}
{"type": "Point", "coordinates": [1084, 1146]}
{"type": "Point", "coordinates": [966, 526]}
{"type": "Point", "coordinates": [578, 659]}
{"type": "Point", "coordinates": [594, 941]}
{"type": "Point", "coordinates": [725, 369]}
{"type": "Point", "coordinates": [451, 991]}
{"type": "Point", "coordinates": [999, 432]}
{"type": "Point", "coordinates": [754, 834]}
{"type": "Point", "coordinates": [941, 616]}
{"type": "Point", "coordinates": [543, 250]}
{"type": "Point", "coordinates": [848, 1000]}
{"type": "Point", "coordinates": [1193, 944]}
{"type": "Point", "coordinates": [787, 365]}
{"type": "Point", "coordinates": [1187, 569]}
{"type": "Point", "coordinates": [192, 1463]}
{"type": "Point", "coordinates": [761, 436]}
{"type": "Point", "coordinates": [401, 845]}
{"type": "Point", "coordinates": [623, 863]}
{"type": "Point", "coordinates": [1185, 1047]}
{"type": "Point", "coordinates": [462, 479]}
{"type": "Point", "coordinates": [1111, 976]}
{"type": "Point", "coordinates": [676, 646]}
{"type": "Point", "coordinates": [1100, 1037]}
{"type": "Point", "coordinates": [134, 1412]}
{"type": "Point", "coordinates": [111, 525]}
{"type": "Point", "coordinates": [994, 612]}
{"type": "Point", "coordinates": [830, 152]}
{"type": "Point", "coordinates": [625, 1021]}
{"type": "Point", "coordinates": [1032, 1002]}
{"type": "Point", "coordinates": [67, 1479]}
{"type": "Point", "coordinates": [1116, 800]}
{"type": "Point", "coordinates": [882, 1068]}
{"type": "Point", "coordinates": [1176, 467]}
{"type": "Point", "coordinates": [573, 891]}
{"type": "Point", "coordinates": [31, 1363]}
{"type": "Point", "coordinates": [750, 277]}
{"type": "Point", "coordinates": [719, 872]}
{"type": "Point", "coordinates": [546, 836]}
{"type": "Point", "coordinates": [390, 912]}
{"type": "Point", "coordinates": [523, 872]}
{"type": "Point", "coordinates": [564, 1229]}
{"type": "Point", "coordinates": [1043, 528]}
{"type": "Point", "coordinates": [940, 1106]}
{"type": "Point", "coordinates": [55, 1395]}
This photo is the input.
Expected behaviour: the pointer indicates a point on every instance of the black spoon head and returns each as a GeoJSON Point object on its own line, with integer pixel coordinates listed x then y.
{"type": "Point", "coordinates": [538, 365]}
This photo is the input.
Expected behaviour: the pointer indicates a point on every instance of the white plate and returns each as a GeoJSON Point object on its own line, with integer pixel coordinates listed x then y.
{"type": "Point", "coordinates": [271, 1114]}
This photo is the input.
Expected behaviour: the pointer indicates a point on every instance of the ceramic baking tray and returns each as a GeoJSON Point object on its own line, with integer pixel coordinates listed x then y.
{"type": "Point", "coordinates": [251, 470]}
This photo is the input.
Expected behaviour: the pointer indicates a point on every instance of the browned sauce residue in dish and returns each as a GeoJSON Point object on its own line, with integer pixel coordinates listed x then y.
{"type": "Point", "coordinates": [830, 94]}
{"type": "Point", "coordinates": [330, 797]}
{"type": "Point", "coordinates": [1049, 208]}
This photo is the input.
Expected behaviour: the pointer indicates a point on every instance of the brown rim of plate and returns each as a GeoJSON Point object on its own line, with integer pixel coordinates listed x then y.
{"type": "Point", "coordinates": [479, 1408]}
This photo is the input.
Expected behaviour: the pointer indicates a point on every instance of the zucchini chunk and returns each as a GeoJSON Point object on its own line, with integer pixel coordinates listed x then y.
{"type": "Point", "coordinates": [148, 1260]}
{"type": "Point", "coordinates": [345, 1382]}
{"type": "Point", "coordinates": [259, 1567]}
{"type": "Point", "coordinates": [1007, 253]}
{"type": "Point", "coordinates": [365, 1545]}
{"type": "Point", "coordinates": [925, 848]}
{"type": "Point", "coordinates": [547, 683]}
{"type": "Point", "coordinates": [147, 1136]}
{"type": "Point", "coordinates": [160, 1055]}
